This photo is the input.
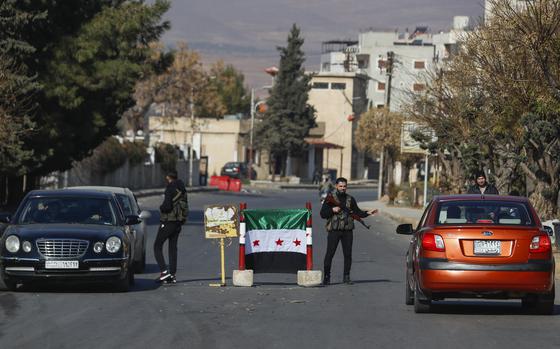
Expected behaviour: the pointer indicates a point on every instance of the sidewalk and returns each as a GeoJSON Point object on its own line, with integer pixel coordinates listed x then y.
{"type": "Point", "coordinates": [261, 184]}
{"type": "Point", "coordinates": [401, 215]}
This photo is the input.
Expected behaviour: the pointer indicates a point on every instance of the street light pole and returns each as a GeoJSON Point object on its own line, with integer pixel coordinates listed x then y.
{"type": "Point", "coordinates": [191, 149]}
{"type": "Point", "coordinates": [251, 133]}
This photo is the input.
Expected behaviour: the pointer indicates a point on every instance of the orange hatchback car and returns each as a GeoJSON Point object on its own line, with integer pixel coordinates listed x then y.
{"type": "Point", "coordinates": [473, 246]}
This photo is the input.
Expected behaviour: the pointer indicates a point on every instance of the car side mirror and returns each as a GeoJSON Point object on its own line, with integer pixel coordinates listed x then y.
{"type": "Point", "coordinates": [405, 229]}
{"type": "Point", "coordinates": [145, 215]}
{"type": "Point", "coordinates": [5, 218]}
{"type": "Point", "coordinates": [132, 220]}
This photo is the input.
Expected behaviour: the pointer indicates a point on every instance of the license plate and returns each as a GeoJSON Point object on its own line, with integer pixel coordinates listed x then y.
{"type": "Point", "coordinates": [62, 264]}
{"type": "Point", "coordinates": [487, 247]}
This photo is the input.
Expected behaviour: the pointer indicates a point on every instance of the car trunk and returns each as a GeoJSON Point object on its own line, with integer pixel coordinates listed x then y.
{"type": "Point", "coordinates": [487, 244]}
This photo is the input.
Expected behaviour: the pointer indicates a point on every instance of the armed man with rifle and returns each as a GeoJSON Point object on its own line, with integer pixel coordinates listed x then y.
{"type": "Point", "coordinates": [340, 210]}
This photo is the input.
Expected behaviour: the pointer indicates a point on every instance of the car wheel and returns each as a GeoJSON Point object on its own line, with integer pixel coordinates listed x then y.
{"type": "Point", "coordinates": [409, 295]}
{"type": "Point", "coordinates": [123, 285]}
{"type": "Point", "coordinates": [542, 304]}
{"type": "Point", "coordinates": [140, 266]}
{"type": "Point", "coordinates": [421, 305]}
{"type": "Point", "coordinates": [11, 285]}
{"type": "Point", "coordinates": [545, 303]}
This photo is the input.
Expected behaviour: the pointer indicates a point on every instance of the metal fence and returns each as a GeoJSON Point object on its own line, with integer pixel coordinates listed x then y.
{"type": "Point", "coordinates": [141, 176]}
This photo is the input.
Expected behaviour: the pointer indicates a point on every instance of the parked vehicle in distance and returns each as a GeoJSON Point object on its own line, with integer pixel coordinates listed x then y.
{"type": "Point", "coordinates": [235, 169]}
{"type": "Point", "coordinates": [130, 207]}
{"type": "Point", "coordinates": [68, 235]}
{"type": "Point", "coordinates": [552, 227]}
{"type": "Point", "coordinates": [473, 246]}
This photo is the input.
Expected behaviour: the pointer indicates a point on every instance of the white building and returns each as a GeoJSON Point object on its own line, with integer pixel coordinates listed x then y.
{"type": "Point", "coordinates": [413, 55]}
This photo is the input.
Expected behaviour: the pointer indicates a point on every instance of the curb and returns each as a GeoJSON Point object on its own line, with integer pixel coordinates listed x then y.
{"type": "Point", "coordinates": [400, 219]}
{"type": "Point", "coordinates": [160, 191]}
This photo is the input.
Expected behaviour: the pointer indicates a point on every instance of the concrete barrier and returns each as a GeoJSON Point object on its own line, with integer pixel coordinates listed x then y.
{"type": "Point", "coordinates": [243, 278]}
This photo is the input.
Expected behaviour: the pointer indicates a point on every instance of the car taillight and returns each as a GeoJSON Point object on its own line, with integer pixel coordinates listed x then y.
{"type": "Point", "coordinates": [433, 242]}
{"type": "Point", "coordinates": [235, 169]}
{"type": "Point", "coordinates": [540, 244]}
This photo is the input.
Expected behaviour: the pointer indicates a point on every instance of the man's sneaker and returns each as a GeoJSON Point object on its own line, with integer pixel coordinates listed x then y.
{"type": "Point", "coordinates": [171, 279]}
{"type": "Point", "coordinates": [163, 277]}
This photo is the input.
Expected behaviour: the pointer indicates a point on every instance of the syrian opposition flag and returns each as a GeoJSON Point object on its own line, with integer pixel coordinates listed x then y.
{"type": "Point", "coordinates": [275, 240]}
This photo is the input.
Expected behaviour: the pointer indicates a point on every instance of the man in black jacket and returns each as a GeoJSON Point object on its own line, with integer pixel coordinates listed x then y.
{"type": "Point", "coordinates": [173, 214]}
{"type": "Point", "coordinates": [340, 226]}
{"type": "Point", "coordinates": [482, 186]}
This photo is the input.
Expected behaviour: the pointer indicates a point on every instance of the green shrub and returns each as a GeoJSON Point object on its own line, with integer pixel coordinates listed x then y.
{"type": "Point", "coordinates": [166, 156]}
{"type": "Point", "coordinates": [135, 152]}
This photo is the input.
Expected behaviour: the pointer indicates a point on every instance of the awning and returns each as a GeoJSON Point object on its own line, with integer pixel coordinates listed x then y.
{"type": "Point", "coordinates": [322, 144]}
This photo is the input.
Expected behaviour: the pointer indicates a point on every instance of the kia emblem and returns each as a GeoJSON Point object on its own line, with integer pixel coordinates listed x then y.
{"type": "Point", "coordinates": [487, 233]}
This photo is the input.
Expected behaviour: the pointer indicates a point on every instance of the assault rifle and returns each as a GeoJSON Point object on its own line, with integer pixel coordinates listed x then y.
{"type": "Point", "coordinates": [331, 201]}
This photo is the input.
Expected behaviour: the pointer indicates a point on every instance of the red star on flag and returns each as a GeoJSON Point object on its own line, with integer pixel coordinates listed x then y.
{"type": "Point", "coordinates": [256, 243]}
{"type": "Point", "coordinates": [297, 242]}
{"type": "Point", "coordinates": [279, 242]}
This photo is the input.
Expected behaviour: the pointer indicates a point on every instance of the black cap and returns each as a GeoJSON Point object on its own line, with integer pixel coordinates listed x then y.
{"type": "Point", "coordinates": [172, 174]}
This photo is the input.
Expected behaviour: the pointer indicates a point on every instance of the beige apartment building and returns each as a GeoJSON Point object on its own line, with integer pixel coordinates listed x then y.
{"type": "Point", "coordinates": [339, 100]}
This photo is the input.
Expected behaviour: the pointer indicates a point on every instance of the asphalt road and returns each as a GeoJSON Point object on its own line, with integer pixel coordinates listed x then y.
{"type": "Point", "coordinates": [275, 313]}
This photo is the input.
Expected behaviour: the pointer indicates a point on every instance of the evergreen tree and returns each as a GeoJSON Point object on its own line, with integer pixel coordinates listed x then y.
{"type": "Point", "coordinates": [89, 56]}
{"type": "Point", "coordinates": [17, 87]}
{"type": "Point", "coordinates": [289, 118]}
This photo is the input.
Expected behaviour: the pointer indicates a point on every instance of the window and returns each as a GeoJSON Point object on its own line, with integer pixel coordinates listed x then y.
{"type": "Point", "coordinates": [382, 64]}
{"type": "Point", "coordinates": [380, 86]}
{"type": "Point", "coordinates": [320, 85]}
{"type": "Point", "coordinates": [418, 87]}
{"type": "Point", "coordinates": [419, 65]}
{"type": "Point", "coordinates": [338, 86]}
{"type": "Point", "coordinates": [484, 212]}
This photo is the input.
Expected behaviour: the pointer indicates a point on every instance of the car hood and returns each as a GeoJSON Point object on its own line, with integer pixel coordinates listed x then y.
{"type": "Point", "coordinates": [64, 231]}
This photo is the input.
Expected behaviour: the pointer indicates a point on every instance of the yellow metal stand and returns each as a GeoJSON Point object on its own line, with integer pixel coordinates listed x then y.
{"type": "Point", "coordinates": [223, 263]}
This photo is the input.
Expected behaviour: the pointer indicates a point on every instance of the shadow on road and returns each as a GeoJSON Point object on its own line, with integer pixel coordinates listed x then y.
{"type": "Point", "coordinates": [483, 308]}
{"type": "Point", "coordinates": [186, 281]}
{"type": "Point", "coordinates": [140, 285]}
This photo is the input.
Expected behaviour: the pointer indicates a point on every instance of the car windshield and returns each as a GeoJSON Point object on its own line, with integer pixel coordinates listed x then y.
{"type": "Point", "coordinates": [77, 210]}
{"type": "Point", "coordinates": [484, 212]}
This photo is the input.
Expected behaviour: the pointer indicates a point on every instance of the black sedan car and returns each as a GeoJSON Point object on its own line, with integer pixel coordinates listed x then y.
{"type": "Point", "coordinates": [79, 235]}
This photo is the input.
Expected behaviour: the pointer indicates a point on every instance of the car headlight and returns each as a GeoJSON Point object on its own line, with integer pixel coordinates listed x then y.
{"type": "Point", "coordinates": [98, 247]}
{"type": "Point", "coordinates": [12, 244]}
{"type": "Point", "coordinates": [26, 246]}
{"type": "Point", "coordinates": [113, 244]}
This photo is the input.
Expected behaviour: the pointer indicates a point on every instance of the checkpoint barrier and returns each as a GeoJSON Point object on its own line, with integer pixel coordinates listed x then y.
{"type": "Point", "coordinates": [226, 183]}
{"type": "Point", "coordinates": [276, 241]}
{"type": "Point", "coordinates": [234, 185]}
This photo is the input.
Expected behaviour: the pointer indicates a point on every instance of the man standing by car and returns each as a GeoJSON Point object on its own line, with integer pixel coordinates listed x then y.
{"type": "Point", "coordinates": [340, 226]}
{"type": "Point", "coordinates": [482, 186]}
{"type": "Point", "coordinates": [174, 211]}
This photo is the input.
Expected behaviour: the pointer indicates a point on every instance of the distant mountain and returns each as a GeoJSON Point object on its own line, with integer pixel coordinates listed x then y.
{"type": "Point", "coordinates": [252, 29]}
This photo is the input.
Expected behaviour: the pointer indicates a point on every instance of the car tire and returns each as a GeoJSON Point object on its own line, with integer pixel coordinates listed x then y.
{"type": "Point", "coordinates": [123, 285]}
{"type": "Point", "coordinates": [421, 305]}
{"type": "Point", "coordinates": [11, 285]}
{"type": "Point", "coordinates": [409, 294]}
{"type": "Point", "coordinates": [542, 304]}
{"type": "Point", "coordinates": [545, 303]}
{"type": "Point", "coordinates": [140, 266]}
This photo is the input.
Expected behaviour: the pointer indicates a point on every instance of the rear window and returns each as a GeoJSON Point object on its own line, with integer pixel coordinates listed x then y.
{"type": "Point", "coordinates": [484, 212]}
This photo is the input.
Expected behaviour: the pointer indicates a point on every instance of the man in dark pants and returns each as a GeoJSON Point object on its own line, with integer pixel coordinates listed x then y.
{"type": "Point", "coordinates": [173, 214]}
{"type": "Point", "coordinates": [340, 226]}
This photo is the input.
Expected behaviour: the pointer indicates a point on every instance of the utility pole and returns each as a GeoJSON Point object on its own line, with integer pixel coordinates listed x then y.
{"type": "Point", "coordinates": [390, 62]}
